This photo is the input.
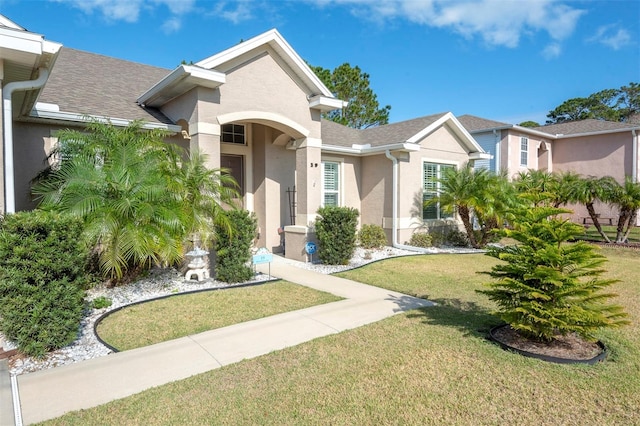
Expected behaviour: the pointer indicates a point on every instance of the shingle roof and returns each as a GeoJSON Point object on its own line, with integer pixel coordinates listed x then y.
{"type": "Point", "coordinates": [399, 132]}
{"type": "Point", "coordinates": [475, 124]}
{"type": "Point", "coordinates": [88, 83]}
{"type": "Point", "coordinates": [339, 135]}
{"type": "Point", "coordinates": [585, 126]}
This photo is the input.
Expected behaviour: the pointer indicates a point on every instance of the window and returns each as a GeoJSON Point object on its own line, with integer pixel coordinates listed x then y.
{"type": "Point", "coordinates": [233, 133]}
{"type": "Point", "coordinates": [330, 183]}
{"type": "Point", "coordinates": [431, 174]}
{"type": "Point", "coordinates": [524, 150]}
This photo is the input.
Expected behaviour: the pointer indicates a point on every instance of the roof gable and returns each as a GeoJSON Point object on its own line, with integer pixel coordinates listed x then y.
{"type": "Point", "coordinates": [405, 134]}
{"type": "Point", "coordinates": [272, 42]}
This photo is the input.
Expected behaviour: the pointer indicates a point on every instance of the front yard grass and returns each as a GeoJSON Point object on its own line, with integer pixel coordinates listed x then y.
{"type": "Point", "coordinates": [427, 366]}
{"type": "Point", "coordinates": [183, 315]}
{"type": "Point", "coordinates": [591, 233]}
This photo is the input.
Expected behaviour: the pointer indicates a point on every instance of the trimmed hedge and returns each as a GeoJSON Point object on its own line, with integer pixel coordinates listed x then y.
{"type": "Point", "coordinates": [336, 232]}
{"type": "Point", "coordinates": [42, 277]}
{"type": "Point", "coordinates": [233, 250]}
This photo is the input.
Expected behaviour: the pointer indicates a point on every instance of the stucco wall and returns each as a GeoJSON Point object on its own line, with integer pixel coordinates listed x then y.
{"type": "Point", "coordinates": [261, 84]}
{"type": "Point", "coordinates": [31, 145]}
{"type": "Point", "coordinates": [376, 190]}
{"type": "Point", "coordinates": [511, 153]}
{"type": "Point", "coordinates": [602, 155]}
{"type": "Point", "coordinates": [599, 155]}
{"type": "Point", "coordinates": [273, 174]}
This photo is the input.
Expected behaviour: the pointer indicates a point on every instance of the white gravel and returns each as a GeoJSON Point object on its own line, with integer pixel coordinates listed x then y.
{"type": "Point", "coordinates": [161, 283]}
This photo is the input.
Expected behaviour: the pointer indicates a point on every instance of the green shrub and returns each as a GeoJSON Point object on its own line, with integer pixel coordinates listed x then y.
{"type": "Point", "coordinates": [548, 287]}
{"type": "Point", "coordinates": [456, 238]}
{"type": "Point", "coordinates": [420, 239]}
{"type": "Point", "coordinates": [372, 236]}
{"type": "Point", "coordinates": [336, 232]}
{"type": "Point", "coordinates": [233, 250]}
{"type": "Point", "coordinates": [101, 302]}
{"type": "Point", "coordinates": [42, 276]}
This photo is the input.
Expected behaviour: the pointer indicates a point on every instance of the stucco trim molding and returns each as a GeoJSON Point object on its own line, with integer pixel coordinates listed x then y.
{"type": "Point", "coordinates": [204, 128]}
{"type": "Point", "coordinates": [179, 81]}
{"type": "Point", "coordinates": [272, 119]}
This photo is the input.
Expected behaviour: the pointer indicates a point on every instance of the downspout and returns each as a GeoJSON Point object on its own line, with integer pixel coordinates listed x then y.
{"type": "Point", "coordinates": [634, 159]}
{"type": "Point", "coordinates": [497, 156]}
{"type": "Point", "coordinates": [394, 214]}
{"type": "Point", "coordinates": [634, 162]}
{"type": "Point", "coordinates": [7, 91]}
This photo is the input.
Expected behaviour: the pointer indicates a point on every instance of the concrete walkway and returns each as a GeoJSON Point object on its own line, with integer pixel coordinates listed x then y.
{"type": "Point", "coordinates": [50, 393]}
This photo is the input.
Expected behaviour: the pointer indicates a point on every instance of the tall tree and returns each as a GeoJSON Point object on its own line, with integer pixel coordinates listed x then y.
{"type": "Point", "coordinates": [621, 104]}
{"type": "Point", "coordinates": [351, 84]}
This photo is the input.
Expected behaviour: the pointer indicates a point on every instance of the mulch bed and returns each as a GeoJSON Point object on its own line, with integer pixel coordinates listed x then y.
{"type": "Point", "coordinates": [570, 346]}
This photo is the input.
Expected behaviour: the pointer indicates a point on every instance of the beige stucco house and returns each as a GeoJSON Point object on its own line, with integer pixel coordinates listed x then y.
{"type": "Point", "coordinates": [255, 109]}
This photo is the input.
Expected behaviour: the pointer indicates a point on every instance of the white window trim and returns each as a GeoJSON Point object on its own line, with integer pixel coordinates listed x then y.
{"type": "Point", "coordinates": [438, 162]}
{"type": "Point", "coordinates": [340, 190]}
{"type": "Point", "coordinates": [520, 139]}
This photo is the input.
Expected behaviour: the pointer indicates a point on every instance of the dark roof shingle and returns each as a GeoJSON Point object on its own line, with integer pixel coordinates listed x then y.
{"type": "Point", "coordinates": [475, 124]}
{"type": "Point", "coordinates": [88, 83]}
{"type": "Point", "coordinates": [585, 126]}
{"type": "Point", "coordinates": [339, 135]}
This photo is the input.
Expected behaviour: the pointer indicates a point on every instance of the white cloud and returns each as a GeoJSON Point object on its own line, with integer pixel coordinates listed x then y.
{"type": "Point", "coordinates": [552, 50]}
{"type": "Point", "coordinates": [172, 25]}
{"type": "Point", "coordinates": [496, 22]}
{"type": "Point", "coordinates": [611, 36]}
{"type": "Point", "coordinates": [234, 11]}
{"type": "Point", "coordinates": [129, 10]}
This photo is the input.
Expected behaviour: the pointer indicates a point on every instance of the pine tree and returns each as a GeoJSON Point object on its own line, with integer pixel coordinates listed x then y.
{"type": "Point", "coordinates": [547, 287]}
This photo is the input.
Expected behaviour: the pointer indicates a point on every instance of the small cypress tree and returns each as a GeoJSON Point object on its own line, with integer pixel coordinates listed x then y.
{"type": "Point", "coordinates": [548, 287]}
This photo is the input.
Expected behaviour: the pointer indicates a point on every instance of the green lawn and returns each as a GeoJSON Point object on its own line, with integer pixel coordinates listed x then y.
{"type": "Point", "coordinates": [592, 234]}
{"type": "Point", "coordinates": [428, 366]}
{"type": "Point", "coordinates": [183, 315]}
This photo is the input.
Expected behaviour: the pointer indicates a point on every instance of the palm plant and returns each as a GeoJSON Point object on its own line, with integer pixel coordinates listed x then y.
{"type": "Point", "coordinates": [115, 180]}
{"type": "Point", "coordinates": [588, 191]}
{"type": "Point", "coordinates": [474, 193]}
{"type": "Point", "coordinates": [540, 185]}
{"type": "Point", "coordinates": [204, 194]}
{"type": "Point", "coordinates": [627, 198]}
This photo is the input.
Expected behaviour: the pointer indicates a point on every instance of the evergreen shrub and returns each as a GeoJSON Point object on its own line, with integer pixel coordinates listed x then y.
{"type": "Point", "coordinates": [421, 239]}
{"type": "Point", "coordinates": [372, 237]}
{"type": "Point", "coordinates": [336, 232]}
{"type": "Point", "coordinates": [42, 280]}
{"type": "Point", "coordinates": [546, 287]}
{"type": "Point", "coordinates": [233, 249]}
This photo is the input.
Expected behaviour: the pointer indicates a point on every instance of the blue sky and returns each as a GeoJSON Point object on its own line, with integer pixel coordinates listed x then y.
{"type": "Point", "coordinates": [503, 60]}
